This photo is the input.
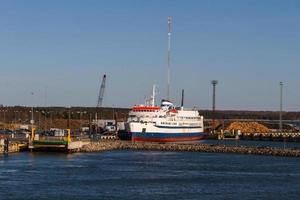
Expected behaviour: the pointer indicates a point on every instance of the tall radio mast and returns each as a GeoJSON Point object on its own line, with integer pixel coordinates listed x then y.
{"type": "Point", "coordinates": [169, 56]}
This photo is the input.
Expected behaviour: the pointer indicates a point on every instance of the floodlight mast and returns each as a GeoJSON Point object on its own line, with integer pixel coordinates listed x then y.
{"type": "Point", "coordinates": [169, 57]}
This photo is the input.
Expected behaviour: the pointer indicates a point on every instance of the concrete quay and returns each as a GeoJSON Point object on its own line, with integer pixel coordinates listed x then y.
{"type": "Point", "coordinates": [11, 147]}
{"type": "Point", "coordinates": [196, 147]}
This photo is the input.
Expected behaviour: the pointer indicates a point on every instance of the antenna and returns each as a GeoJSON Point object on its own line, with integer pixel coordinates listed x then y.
{"type": "Point", "coordinates": [169, 56]}
{"type": "Point", "coordinates": [153, 96]}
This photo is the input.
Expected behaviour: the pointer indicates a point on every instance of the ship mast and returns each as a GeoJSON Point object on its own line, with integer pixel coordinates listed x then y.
{"type": "Point", "coordinates": [153, 97]}
{"type": "Point", "coordinates": [169, 57]}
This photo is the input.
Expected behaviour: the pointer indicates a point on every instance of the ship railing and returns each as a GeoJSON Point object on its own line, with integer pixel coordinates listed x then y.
{"type": "Point", "coordinates": [51, 138]}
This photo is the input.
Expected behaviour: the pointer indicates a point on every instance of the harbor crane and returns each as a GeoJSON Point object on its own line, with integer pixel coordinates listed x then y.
{"type": "Point", "coordinates": [101, 92]}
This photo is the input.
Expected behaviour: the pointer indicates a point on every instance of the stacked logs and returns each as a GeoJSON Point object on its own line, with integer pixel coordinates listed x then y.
{"type": "Point", "coordinates": [248, 127]}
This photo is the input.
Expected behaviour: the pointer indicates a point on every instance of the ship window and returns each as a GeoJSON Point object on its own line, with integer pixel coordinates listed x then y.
{"type": "Point", "coordinates": [144, 130]}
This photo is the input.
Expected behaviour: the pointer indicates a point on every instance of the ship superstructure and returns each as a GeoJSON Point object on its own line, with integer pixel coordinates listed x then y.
{"type": "Point", "coordinates": [165, 123]}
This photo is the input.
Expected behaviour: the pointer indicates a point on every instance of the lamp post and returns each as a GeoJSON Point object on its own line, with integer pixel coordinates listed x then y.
{"type": "Point", "coordinates": [80, 118]}
{"type": "Point", "coordinates": [45, 119]}
{"type": "Point", "coordinates": [4, 115]}
{"type": "Point", "coordinates": [15, 116]}
{"type": "Point", "coordinates": [39, 114]}
{"type": "Point", "coordinates": [90, 124]}
{"type": "Point", "coordinates": [280, 113]}
{"type": "Point", "coordinates": [50, 119]}
{"type": "Point", "coordinates": [214, 83]}
{"type": "Point", "coordinates": [69, 118]}
{"type": "Point", "coordinates": [32, 120]}
{"type": "Point", "coordinates": [2, 111]}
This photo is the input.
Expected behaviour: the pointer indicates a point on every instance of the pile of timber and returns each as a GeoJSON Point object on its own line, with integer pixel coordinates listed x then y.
{"type": "Point", "coordinates": [248, 127]}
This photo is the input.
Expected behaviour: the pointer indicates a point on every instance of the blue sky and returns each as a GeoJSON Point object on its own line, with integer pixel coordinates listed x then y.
{"type": "Point", "coordinates": [62, 49]}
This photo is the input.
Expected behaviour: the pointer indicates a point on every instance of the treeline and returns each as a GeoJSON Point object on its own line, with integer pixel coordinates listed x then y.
{"type": "Point", "coordinates": [23, 114]}
{"type": "Point", "coordinates": [240, 114]}
{"type": "Point", "coordinates": [20, 114]}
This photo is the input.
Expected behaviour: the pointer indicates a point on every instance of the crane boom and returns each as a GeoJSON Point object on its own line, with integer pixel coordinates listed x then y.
{"type": "Point", "coordinates": [101, 92]}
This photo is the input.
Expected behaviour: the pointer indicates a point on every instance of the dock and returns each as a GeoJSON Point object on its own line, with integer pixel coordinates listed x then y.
{"type": "Point", "coordinates": [109, 145]}
{"type": "Point", "coordinates": [263, 136]}
{"type": "Point", "coordinates": [83, 143]}
{"type": "Point", "coordinates": [56, 143]}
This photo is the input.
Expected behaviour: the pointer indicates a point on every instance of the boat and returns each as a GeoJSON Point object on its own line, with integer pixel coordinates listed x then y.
{"type": "Point", "coordinates": [164, 123]}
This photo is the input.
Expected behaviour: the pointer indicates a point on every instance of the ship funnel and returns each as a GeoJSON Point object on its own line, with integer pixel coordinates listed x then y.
{"type": "Point", "coordinates": [182, 98]}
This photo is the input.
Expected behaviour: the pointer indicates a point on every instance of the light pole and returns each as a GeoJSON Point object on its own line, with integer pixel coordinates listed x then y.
{"type": "Point", "coordinates": [90, 124]}
{"type": "Point", "coordinates": [15, 116]}
{"type": "Point", "coordinates": [280, 113]}
{"type": "Point", "coordinates": [69, 118]}
{"type": "Point", "coordinates": [39, 114]}
{"type": "Point", "coordinates": [4, 115]}
{"type": "Point", "coordinates": [214, 83]}
{"type": "Point", "coordinates": [45, 119]}
{"type": "Point", "coordinates": [32, 120]}
{"type": "Point", "coordinates": [80, 118]}
{"type": "Point", "coordinates": [50, 119]}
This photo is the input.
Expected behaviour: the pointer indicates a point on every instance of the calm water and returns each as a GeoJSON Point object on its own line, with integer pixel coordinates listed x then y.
{"type": "Point", "coordinates": [148, 175]}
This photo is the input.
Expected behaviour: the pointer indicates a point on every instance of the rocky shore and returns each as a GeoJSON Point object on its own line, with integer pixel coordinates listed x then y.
{"type": "Point", "coordinates": [127, 145]}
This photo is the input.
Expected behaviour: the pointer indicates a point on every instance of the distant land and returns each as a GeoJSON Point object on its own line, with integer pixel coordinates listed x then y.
{"type": "Point", "coordinates": [15, 113]}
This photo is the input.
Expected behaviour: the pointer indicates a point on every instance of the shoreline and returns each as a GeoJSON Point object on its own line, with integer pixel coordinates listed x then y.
{"type": "Point", "coordinates": [109, 145]}
{"type": "Point", "coordinates": [182, 147]}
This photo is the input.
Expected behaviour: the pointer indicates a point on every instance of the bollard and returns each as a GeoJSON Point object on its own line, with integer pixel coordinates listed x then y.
{"type": "Point", "coordinates": [32, 133]}
{"type": "Point", "coordinates": [6, 145]}
{"type": "Point", "coordinates": [69, 136]}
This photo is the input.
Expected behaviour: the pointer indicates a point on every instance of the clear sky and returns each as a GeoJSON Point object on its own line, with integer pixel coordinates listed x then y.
{"type": "Point", "coordinates": [60, 49]}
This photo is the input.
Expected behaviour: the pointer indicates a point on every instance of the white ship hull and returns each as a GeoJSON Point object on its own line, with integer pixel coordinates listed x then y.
{"type": "Point", "coordinates": [150, 132]}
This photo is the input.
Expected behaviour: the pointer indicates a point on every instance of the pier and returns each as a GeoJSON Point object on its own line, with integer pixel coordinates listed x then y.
{"type": "Point", "coordinates": [273, 136]}
{"type": "Point", "coordinates": [40, 143]}
{"type": "Point", "coordinates": [94, 142]}
{"type": "Point", "coordinates": [63, 143]}
{"type": "Point", "coordinates": [8, 146]}
{"type": "Point", "coordinates": [267, 136]}
{"type": "Point", "coordinates": [109, 145]}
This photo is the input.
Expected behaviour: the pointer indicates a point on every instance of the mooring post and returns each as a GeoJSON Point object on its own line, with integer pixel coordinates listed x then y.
{"type": "Point", "coordinates": [69, 136]}
{"type": "Point", "coordinates": [6, 145]}
{"type": "Point", "coordinates": [32, 133]}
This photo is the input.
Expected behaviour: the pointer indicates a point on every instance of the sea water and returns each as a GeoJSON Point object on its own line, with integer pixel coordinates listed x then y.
{"type": "Point", "coordinates": [148, 175]}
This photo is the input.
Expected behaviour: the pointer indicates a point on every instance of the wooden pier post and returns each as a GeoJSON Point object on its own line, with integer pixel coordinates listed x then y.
{"type": "Point", "coordinates": [6, 145]}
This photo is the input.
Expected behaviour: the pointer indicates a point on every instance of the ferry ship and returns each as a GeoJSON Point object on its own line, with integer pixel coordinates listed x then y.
{"type": "Point", "coordinates": [150, 123]}
{"type": "Point", "coordinates": [166, 123]}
